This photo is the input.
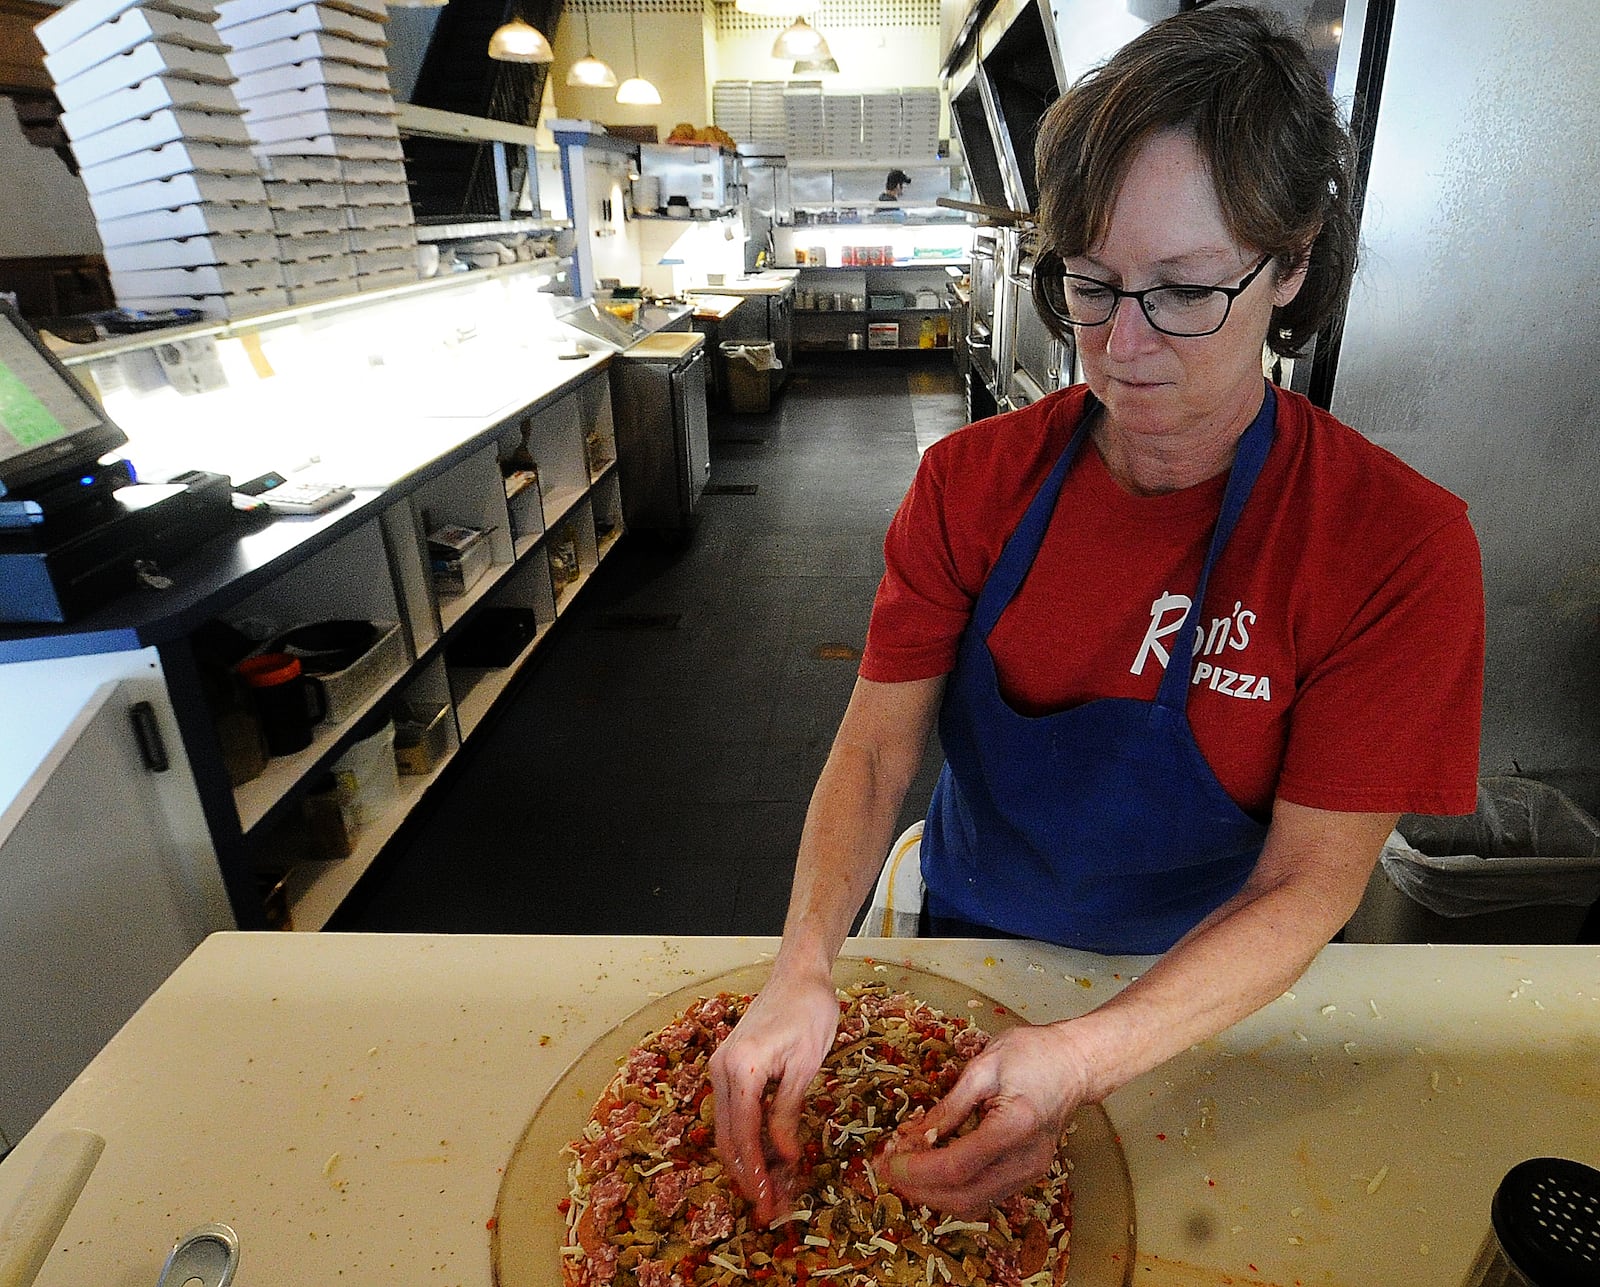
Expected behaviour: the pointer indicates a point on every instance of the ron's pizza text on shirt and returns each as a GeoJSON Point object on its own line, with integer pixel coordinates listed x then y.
{"type": "Point", "coordinates": [1231, 632]}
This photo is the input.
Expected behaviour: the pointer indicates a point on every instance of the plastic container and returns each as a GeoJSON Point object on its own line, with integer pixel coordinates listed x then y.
{"type": "Point", "coordinates": [346, 684]}
{"type": "Point", "coordinates": [459, 556]}
{"type": "Point", "coordinates": [883, 335]}
{"type": "Point", "coordinates": [749, 370]}
{"type": "Point", "coordinates": [1523, 868]}
{"type": "Point", "coordinates": [421, 740]}
{"type": "Point", "coordinates": [369, 780]}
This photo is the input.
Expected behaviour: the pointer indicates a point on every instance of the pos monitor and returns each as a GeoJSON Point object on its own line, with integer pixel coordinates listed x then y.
{"type": "Point", "coordinates": [52, 433]}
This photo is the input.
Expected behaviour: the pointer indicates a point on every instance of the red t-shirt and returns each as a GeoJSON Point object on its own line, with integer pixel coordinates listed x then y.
{"type": "Point", "coordinates": [1339, 663]}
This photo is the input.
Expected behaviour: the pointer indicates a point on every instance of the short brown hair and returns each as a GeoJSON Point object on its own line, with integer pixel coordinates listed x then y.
{"type": "Point", "coordinates": [1262, 118]}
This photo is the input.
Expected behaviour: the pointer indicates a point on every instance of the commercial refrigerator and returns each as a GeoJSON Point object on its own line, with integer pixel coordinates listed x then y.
{"type": "Point", "coordinates": [658, 397]}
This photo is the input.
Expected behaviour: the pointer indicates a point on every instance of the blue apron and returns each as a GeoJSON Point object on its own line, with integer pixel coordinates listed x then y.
{"type": "Point", "coordinates": [1100, 826]}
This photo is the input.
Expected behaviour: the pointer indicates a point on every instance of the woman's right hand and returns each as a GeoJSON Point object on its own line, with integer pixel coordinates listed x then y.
{"type": "Point", "coordinates": [782, 1038]}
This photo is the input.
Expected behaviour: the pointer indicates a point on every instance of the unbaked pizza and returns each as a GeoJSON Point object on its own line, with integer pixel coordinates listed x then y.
{"type": "Point", "coordinates": [650, 1206]}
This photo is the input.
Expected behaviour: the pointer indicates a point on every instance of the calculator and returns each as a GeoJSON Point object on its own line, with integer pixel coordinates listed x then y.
{"type": "Point", "coordinates": [285, 497]}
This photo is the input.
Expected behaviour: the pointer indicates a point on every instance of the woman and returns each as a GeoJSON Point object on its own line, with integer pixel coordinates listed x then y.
{"type": "Point", "coordinates": [1192, 644]}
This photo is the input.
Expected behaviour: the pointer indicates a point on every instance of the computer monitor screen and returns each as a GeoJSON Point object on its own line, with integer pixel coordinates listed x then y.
{"type": "Point", "coordinates": [49, 425]}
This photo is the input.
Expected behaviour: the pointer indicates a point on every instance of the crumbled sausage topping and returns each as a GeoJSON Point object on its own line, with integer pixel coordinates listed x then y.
{"type": "Point", "coordinates": [650, 1205]}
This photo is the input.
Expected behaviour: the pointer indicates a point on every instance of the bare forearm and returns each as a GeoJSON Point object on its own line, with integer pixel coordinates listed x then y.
{"type": "Point", "coordinates": [1243, 956]}
{"type": "Point", "coordinates": [848, 829]}
{"type": "Point", "coordinates": [852, 816]}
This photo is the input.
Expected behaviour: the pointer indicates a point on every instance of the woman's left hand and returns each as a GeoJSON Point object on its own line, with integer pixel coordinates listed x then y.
{"type": "Point", "coordinates": [1025, 1087]}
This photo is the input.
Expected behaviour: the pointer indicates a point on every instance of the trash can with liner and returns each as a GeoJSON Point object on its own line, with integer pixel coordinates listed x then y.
{"type": "Point", "coordinates": [749, 369]}
{"type": "Point", "coordinates": [1523, 868]}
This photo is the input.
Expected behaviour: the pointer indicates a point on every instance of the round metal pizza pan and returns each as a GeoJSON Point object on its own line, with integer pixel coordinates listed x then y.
{"type": "Point", "coordinates": [529, 1229]}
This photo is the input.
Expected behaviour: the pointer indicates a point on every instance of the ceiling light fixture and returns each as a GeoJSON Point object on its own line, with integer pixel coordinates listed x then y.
{"type": "Point", "coordinates": [813, 66]}
{"type": "Point", "coordinates": [519, 42]}
{"type": "Point", "coordinates": [636, 91]}
{"type": "Point", "coordinates": [589, 71]}
{"type": "Point", "coordinates": [801, 42]}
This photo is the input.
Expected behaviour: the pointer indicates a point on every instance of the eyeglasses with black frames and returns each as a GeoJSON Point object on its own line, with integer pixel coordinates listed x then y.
{"type": "Point", "coordinates": [1180, 310]}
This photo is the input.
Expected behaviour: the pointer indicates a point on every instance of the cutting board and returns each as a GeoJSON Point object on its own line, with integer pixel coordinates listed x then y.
{"type": "Point", "coordinates": [529, 1229]}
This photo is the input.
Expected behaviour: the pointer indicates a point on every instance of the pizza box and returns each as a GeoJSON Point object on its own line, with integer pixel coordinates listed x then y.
{"type": "Point", "coordinates": [189, 252]}
{"type": "Point", "coordinates": [121, 34]}
{"type": "Point", "coordinates": [165, 126]}
{"type": "Point", "coordinates": [177, 157]}
{"type": "Point", "coordinates": [377, 194]}
{"type": "Point", "coordinates": [150, 95]}
{"type": "Point", "coordinates": [298, 168]}
{"type": "Point", "coordinates": [312, 71]}
{"type": "Point", "coordinates": [316, 98]}
{"type": "Point", "coordinates": [297, 49]}
{"type": "Point", "coordinates": [386, 261]}
{"type": "Point", "coordinates": [372, 171]}
{"type": "Point", "coordinates": [197, 220]}
{"type": "Point", "coordinates": [305, 125]}
{"type": "Point", "coordinates": [364, 240]}
{"type": "Point", "coordinates": [387, 278]}
{"type": "Point", "coordinates": [154, 58]}
{"type": "Point", "coordinates": [205, 279]}
{"type": "Point", "coordinates": [238, 304]}
{"type": "Point", "coordinates": [304, 196]}
{"type": "Point", "coordinates": [314, 220]}
{"type": "Point", "coordinates": [232, 12]}
{"type": "Point", "coordinates": [301, 247]}
{"type": "Point", "coordinates": [297, 22]}
{"type": "Point", "coordinates": [365, 218]}
{"type": "Point", "coordinates": [179, 190]}
{"type": "Point", "coordinates": [333, 289]}
{"type": "Point", "coordinates": [335, 145]}
{"type": "Point", "coordinates": [301, 273]}
{"type": "Point", "coordinates": [82, 16]}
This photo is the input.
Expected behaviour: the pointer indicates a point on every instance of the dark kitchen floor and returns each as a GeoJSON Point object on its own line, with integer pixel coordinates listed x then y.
{"type": "Point", "coordinates": [651, 773]}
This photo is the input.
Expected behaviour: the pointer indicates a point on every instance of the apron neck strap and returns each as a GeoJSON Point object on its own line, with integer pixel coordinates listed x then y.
{"type": "Point", "coordinates": [1016, 557]}
{"type": "Point", "coordinates": [1248, 461]}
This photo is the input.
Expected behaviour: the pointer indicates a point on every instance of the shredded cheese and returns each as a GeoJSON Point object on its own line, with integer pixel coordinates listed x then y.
{"type": "Point", "coordinates": [961, 1226]}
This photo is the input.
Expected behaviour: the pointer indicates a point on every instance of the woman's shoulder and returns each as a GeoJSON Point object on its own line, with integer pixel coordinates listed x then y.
{"type": "Point", "coordinates": [1341, 468]}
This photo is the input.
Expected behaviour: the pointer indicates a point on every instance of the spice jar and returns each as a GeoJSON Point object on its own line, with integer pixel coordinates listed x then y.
{"type": "Point", "coordinates": [1544, 1227]}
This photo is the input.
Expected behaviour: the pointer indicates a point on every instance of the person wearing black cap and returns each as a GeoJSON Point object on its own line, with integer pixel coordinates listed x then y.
{"type": "Point", "coordinates": [895, 185]}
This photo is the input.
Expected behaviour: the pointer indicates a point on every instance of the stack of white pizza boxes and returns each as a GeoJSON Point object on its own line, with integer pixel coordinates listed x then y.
{"type": "Point", "coordinates": [313, 81]}
{"type": "Point", "coordinates": [164, 154]}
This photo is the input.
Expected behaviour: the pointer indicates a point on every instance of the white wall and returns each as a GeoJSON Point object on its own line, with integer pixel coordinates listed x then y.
{"type": "Point", "coordinates": [43, 208]}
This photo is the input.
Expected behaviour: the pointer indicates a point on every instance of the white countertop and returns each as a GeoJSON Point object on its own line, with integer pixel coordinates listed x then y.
{"type": "Point", "coordinates": [347, 1102]}
{"type": "Point", "coordinates": [771, 281]}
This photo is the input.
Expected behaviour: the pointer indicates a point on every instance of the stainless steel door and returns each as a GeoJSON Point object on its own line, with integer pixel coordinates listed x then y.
{"type": "Point", "coordinates": [690, 429]}
{"type": "Point", "coordinates": [1469, 340]}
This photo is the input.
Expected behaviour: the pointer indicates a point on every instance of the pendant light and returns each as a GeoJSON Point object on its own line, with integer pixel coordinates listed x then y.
{"type": "Point", "coordinates": [520, 42]}
{"type": "Point", "coordinates": [636, 91]}
{"type": "Point", "coordinates": [801, 41]}
{"type": "Point", "coordinates": [589, 72]}
{"type": "Point", "coordinates": [815, 66]}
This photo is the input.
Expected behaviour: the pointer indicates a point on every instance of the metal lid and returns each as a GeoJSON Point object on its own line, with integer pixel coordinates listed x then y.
{"type": "Point", "coordinates": [1546, 1215]}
